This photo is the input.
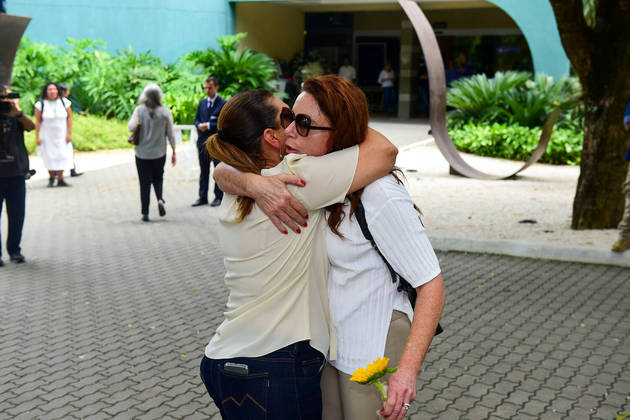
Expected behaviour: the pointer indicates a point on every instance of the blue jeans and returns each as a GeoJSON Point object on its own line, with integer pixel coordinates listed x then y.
{"type": "Point", "coordinates": [282, 385]}
{"type": "Point", "coordinates": [389, 100]}
{"type": "Point", "coordinates": [13, 191]}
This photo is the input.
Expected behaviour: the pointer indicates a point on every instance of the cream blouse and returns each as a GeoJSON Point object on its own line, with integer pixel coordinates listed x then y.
{"type": "Point", "coordinates": [278, 283]}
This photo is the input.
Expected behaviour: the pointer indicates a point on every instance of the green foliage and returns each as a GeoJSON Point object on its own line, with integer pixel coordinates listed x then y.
{"type": "Point", "coordinates": [512, 98]}
{"type": "Point", "coordinates": [236, 71]}
{"type": "Point", "coordinates": [110, 84]}
{"type": "Point", "coordinates": [589, 12]}
{"type": "Point", "coordinates": [90, 133]}
{"type": "Point", "coordinates": [517, 142]}
{"type": "Point", "coordinates": [114, 83]}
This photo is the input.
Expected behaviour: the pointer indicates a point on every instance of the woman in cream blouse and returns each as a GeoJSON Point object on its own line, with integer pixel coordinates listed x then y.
{"type": "Point", "coordinates": [265, 359]}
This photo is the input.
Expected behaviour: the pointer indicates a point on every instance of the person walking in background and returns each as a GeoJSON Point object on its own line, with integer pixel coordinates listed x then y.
{"type": "Point", "coordinates": [386, 79]}
{"type": "Point", "coordinates": [623, 243]}
{"type": "Point", "coordinates": [14, 167]}
{"type": "Point", "coordinates": [347, 71]}
{"type": "Point", "coordinates": [53, 133]}
{"type": "Point", "coordinates": [64, 92]}
{"type": "Point", "coordinates": [464, 67]}
{"type": "Point", "coordinates": [206, 122]}
{"type": "Point", "coordinates": [156, 125]}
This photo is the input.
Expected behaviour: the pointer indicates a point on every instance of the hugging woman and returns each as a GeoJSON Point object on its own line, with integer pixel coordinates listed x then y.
{"type": "Point", "coordinates": [266, 358]}
{"type": "Point", "coordinates": [371, 317]}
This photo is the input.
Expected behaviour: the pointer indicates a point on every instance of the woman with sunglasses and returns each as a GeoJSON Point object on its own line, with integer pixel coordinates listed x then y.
{"type": "Point", "coordinates": [266, 358]}
{"type": "Point", "coordinates": [371, 317]}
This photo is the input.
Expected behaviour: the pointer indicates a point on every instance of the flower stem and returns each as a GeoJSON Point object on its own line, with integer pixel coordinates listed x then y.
{"type": "Point", "coordinates": [380, 387]}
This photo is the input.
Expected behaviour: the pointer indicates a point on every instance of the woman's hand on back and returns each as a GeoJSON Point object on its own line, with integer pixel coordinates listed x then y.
{"type": "Point", "coordinates": [275, 200]}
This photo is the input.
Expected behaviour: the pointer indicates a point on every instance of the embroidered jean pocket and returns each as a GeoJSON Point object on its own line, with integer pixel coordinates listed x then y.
{"type": "Point", "coordinates": [243, 396]}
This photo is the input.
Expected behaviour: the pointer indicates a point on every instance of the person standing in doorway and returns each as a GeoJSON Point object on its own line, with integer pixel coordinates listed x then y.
{"type": "Point", "coordinates": [386, 79]}
{"type": "Point", "coordinates": [206, 122]}
{"type": "Point", "coordinates": [623, 243]}
{"type": "Point", "coordinates": [347, 71]}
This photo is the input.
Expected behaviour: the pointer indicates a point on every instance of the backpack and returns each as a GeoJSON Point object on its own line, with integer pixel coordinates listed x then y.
{"type": "Point", "coordinates": [41, 101]}
{"type": "Point", "coordinates": [403, 285]}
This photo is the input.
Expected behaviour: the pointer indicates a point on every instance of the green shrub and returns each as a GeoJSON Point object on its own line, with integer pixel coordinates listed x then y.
{"type": "Point", "coordinates": [110, 84]}
{"type": "Point", "coordinates": [237, 71]}
{"type": "Point", "coordinates": [517, 142]}
{"type": "Point", "coordinates": [512, 98]}
{"type": "Point", "coordinates": [90, 133]}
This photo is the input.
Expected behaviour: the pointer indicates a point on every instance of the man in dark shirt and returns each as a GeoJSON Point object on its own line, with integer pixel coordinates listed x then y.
{"type": "Point", "coordinates": [206, 123]}
{"type": "Point", "coordinates": [14, 167]}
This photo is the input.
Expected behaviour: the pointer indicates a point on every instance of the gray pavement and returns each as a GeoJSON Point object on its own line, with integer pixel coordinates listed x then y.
{"type": "Point", "coordinates": [109, 317]}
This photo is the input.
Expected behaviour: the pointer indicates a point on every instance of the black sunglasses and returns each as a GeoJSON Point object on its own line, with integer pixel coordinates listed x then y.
{"type": "Point", "coordinates": [302, 122]}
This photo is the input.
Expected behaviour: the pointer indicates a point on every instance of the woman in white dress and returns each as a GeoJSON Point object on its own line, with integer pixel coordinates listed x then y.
{"type": "Point", "coordinates": [53, 133]}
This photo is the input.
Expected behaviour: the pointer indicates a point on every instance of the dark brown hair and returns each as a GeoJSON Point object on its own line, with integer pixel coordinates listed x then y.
{"type": "Point", "coordinates": [346, 107]}
{"type": "Point", "coordinates": [238, 142]}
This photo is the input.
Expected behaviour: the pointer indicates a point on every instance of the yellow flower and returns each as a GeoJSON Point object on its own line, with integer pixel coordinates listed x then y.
{"type": "Point", "coordinates": [377, 367]}
{"type": "Point", "coordinates": [371, 375]}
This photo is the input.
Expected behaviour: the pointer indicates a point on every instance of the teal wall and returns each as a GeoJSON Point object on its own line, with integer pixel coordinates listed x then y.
{"type": "Point", "coordinates": [538, 24]}
{"type": "Point", "coordinates": [169, 28]}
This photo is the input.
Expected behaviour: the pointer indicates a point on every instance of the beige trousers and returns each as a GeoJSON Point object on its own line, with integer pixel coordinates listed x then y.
{"type": "Point", "coordinates": [347, 400]}
{"type": "Point", "coordinates": [624, 226]}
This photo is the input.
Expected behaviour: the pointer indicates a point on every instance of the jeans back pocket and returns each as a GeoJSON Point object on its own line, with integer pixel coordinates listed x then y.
{"type": "Point", "coordinates": [243, 396]}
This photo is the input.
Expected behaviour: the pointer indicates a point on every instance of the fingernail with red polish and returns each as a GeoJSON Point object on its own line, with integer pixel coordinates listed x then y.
{"type": "Point", "coordinates": [302, 182]}
{"type": "Point", "coordinates": [298, 230]}
{"type": "Point", "coordinates": [306, 216]}
{"type": "Point", "coordinates": [305, 224]}
{"type": "Point", "coordinates": [285, 232]}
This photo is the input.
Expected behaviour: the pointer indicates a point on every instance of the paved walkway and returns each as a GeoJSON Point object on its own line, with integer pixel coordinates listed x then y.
{"type": "Point", "coordinates": [109, 318]}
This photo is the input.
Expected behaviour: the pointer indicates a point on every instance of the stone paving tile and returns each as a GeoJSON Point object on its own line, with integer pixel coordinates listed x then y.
{"type": "Point", "coordinates": [110, 316]}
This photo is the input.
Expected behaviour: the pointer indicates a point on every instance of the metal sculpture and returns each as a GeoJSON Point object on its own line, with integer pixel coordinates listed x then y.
{"type": "Point", "coordinates": [437, 93]}
{"type": "Point", "coordinates": [11, 30]}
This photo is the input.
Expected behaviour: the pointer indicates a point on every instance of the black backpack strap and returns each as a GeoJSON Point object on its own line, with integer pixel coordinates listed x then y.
{"type": "Point", "coordinates": [403, 285]}
{"type": "Point", "coordinates": [359, 212]}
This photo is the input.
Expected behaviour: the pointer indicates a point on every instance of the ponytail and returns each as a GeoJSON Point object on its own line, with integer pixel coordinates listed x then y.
{"type": "Point", "coordinates": [231, 155]}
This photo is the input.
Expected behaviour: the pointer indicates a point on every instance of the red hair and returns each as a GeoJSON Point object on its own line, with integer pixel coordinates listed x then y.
{"type": "Point", "coordinates": [346, 107]}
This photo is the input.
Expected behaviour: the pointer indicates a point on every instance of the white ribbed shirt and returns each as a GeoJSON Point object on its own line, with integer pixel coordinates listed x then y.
{"type": "Point", "coordinates": [361, 292]}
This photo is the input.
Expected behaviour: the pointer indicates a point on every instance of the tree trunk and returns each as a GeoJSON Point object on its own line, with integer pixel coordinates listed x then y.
{"type": "Point", "coordinates": [601, 57]}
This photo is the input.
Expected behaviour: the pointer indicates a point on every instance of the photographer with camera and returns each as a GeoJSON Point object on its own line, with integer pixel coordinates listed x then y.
{"type": "Point", "coordinates": [14, 168]}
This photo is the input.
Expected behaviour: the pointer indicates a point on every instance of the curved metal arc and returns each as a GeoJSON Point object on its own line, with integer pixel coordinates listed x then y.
{"type": "Point", "coordinates": [11, 30]}
{"type": "Point", "coordinates": [437, 93]}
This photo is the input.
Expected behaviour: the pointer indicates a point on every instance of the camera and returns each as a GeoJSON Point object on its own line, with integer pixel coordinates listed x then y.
{"type": "Point", "coordinates": [12, 95]}
{"type": "Point", "coordinates": [5, 107]}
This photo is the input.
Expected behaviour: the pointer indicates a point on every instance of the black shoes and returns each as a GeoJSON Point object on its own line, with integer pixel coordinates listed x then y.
{"type": "Point", "coordinates": [1, 263]}
{"type": "Point", "coordinates": [61, 183]}
{"type": "Point", "coordinates": [200, 202]}
{"type": "Point", "coordinates": [161, 209]}
{"type": "Point", "coordinates": [145, 217]}
{"type": "Point", "coordinates": [216, 202]}
{"type": "Point", "coordinates": [74, 173]}
{"type": "Point", "coordinates": [51, 182]}
{"type": "Point", "coordinates": [17, 258]}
